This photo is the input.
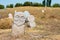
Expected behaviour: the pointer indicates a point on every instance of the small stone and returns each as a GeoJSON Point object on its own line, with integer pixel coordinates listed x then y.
{"type": "Point", "coordinates": [31, 18]}
{"type": "Point", "coordinates": [32, 24]}
{"type": "Point", "coordinates": [43, 11]}
{"type": "Point", "coordinates": [26, 14]}
{"type": "Point", "coordinates": [10, 16]}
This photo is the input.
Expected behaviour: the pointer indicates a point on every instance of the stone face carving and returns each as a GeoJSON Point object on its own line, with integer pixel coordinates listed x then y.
{"type": "Point", "coordinates": [20, 20]}
{"type": "Point", "coordinates": [18, 25]}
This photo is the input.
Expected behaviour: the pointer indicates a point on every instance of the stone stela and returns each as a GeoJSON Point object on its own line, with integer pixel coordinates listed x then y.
{"type": "Point", "coordinates": [19, 22]}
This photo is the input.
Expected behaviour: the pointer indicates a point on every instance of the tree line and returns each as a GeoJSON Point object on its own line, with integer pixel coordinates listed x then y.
{"type": "Point", "coordinates": [27, 3]}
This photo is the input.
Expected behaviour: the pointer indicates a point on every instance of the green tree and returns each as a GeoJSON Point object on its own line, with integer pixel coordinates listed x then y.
{"type": "Point", "coordinates": [43, 3]}
{"type": "Point", "coordinates": [1, 6]}
{"type": "Point", "coordinates": [48, 3]}
{"type": "Point", "coordinates": [36, 4]}
{"type": "Point", "coordinates": [18, 4]}
{"type": "Point", "coordinates": [27, 3]}
{"type": "Point", "coordinates": [9, 6]}
{"type": "Point", "coordinates": [56, 5]}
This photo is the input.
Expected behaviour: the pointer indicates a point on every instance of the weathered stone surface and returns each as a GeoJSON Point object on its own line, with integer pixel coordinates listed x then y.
{"type": "Point", "coordinates": [32, 24]}
{"type": "Point", "coordinates": [26, 14]}
{"type": "Point", "coordinates": [31, 18]}
{"type": "Point", "coordinates": [17, 31]}
{"type": "Point", "coordinates": [18, 25]}
{"type": "Point", "coordinates": [31, 21]}
{"type": "Point", "coordinates": [10, 16]}
{"type": "Point", "coordinates": [19, 22]}
{"type": "Point", "coordinates": [19, 18]}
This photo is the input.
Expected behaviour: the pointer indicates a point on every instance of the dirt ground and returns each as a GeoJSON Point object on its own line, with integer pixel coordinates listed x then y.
{"type": "Point", "coordinates": [30, 34]}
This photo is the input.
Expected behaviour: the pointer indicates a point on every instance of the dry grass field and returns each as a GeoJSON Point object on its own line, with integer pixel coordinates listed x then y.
{"type": "Point", "coordinates": [48, 24]}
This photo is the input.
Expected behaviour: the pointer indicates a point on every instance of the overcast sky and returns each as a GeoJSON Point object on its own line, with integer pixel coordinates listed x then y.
{"type": "Point", "coordinates": [6, 2]}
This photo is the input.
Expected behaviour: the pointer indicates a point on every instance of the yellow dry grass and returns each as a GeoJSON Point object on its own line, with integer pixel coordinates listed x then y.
{"type": "Point", "coordinates": [5, 23]}
{"type": "Point", "coordinates": [50, 14]}
{"type": "Point", "coordinates": [47, 22]}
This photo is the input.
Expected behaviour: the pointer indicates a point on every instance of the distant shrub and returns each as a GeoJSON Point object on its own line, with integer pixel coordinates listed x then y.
{"type": "Point", "coordinates": [27, 3]}
{"type": "Point", "coordinates": [9, 6]}
{"type": "Point", "coordinates": [56, 5]}
{"type": "Point", "coordinates": [1, 6]}
{"type": "Point", "coordinates": [18, 4]}
{"type": "Point", "coordinates": [37, 4]}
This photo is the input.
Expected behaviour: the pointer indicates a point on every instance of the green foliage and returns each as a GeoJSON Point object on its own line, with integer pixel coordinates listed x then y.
{"type": "Point", "coordinates": [56, 5]}
{"type": "Point", "coordinates": [37, 4]}
{"type": "Point", "coordinates": [18, 4]}
{"type": "Point", "coordinates": [43, 3]}
{"type": "Point", "coordinates": [1, 6]}
{"type": "Point", "coordinates": [27, 3]}
{"type": "Point", "coordinates": [48, 3]}
{"type": "Point", "coordinates": [9, 6]}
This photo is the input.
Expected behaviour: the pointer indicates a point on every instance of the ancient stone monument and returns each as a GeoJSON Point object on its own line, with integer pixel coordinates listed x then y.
{"type": "Point", "coordinates": [26, 13]}
{"type": "Point", "coordinates": [31, 21]}
{"type": "Point", "coordinates": [19, 22]}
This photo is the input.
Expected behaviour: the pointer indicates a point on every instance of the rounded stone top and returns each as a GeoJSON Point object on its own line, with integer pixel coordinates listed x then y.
{"type": "Point", "coordinates": [26, 14]}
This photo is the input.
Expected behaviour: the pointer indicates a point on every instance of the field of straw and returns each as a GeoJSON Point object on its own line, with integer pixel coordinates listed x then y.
{"type": "Point", "coordinates": [48, 24]}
